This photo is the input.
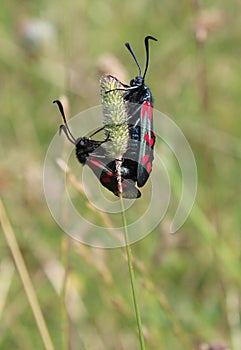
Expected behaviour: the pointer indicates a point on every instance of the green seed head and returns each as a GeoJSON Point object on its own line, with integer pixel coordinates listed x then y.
{"type": "Point", "coordinates": [115, 116]}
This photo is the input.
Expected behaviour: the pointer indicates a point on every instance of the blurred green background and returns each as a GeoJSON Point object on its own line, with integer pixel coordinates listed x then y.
{"type": "Point", "coordinates": [189, 283]}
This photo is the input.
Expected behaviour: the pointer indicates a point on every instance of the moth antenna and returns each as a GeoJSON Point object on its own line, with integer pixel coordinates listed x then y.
{"type": "Point", "coordinates": [65, 127]}
{"type": "Point", "coordinates": [62, 128]}
{"type": "Point", "coordinates": [147, 38]}
{"type": "Point", "coordinates": [134, 56]}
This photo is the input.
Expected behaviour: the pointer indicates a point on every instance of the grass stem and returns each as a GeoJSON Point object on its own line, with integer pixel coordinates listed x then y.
{"type": "Point", "coordinates": [132, 277]}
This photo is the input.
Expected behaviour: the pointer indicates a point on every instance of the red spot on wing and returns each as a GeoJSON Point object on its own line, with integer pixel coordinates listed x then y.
{"type": "Point", "coordinates": [105, 179]}
{"type": "Point", "coordinates": [151, 142]}
{"type": "Point", "coordinates": [149, 139]}
{"type": "Point", "coordinates": [145, 159]}
{"type": "Point", "coordinates": [150, 112]}
{"type": "Point", "coordinates": [149, 167]}
{"type": "Point", "coordinates": [146, 137]}
{"type": "Point", "coordinates": [93, 163]}
{"type": "Point", "coordinates": [108, 177]}
{"type": "Point", "coordinates": [144, 109]}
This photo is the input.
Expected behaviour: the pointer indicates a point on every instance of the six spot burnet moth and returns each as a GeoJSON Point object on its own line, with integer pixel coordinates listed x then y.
{"type": "Point", "coordinates": [137, 160]}
{"type": "Point", "coordinates": [140, 120]}
{"type": "Point", "coordinates": [92, 153]}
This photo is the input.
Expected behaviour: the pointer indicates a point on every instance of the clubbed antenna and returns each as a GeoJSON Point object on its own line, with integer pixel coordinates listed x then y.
{"type": "Point", "coordinates": [147, 38]}
{"type": "Point", "coordinates": [65, 127]}
{"type": "Point", "coordinates": [134, 56]}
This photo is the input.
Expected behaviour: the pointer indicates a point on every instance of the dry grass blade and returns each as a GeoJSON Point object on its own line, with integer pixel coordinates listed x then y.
{"type": "Point", "coordinates": [26, 280]}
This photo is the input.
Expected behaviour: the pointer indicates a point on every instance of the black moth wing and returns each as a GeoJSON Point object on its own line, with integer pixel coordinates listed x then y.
{"type": "Point", "coordinates": [109, 180]}
{"type": "Point", "coordinates": [142, 139]}
{"type": "Point", "coordinates": [148, 138]}
{"type": "Point", "coordinates": [105, 171]}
